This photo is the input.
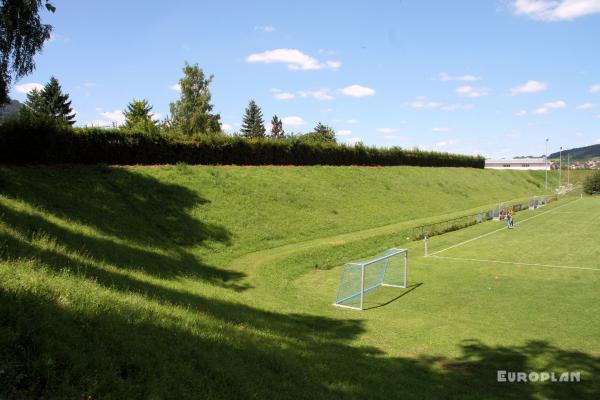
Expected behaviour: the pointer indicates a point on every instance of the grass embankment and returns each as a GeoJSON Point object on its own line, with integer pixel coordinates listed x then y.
{"type": "Point", "coordinates": [200, 282]}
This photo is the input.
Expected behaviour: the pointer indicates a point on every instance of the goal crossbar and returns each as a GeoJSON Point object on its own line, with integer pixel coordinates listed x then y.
{"type": "Point", "coordinates": [360, 278]}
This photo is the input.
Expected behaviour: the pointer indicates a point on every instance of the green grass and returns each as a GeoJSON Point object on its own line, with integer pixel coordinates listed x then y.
{"type": "Point", "coordinates": [217, 282]}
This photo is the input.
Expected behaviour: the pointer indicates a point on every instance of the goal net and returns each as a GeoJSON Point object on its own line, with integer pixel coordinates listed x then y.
{"type": "Point", "coordinates": [360, 278]}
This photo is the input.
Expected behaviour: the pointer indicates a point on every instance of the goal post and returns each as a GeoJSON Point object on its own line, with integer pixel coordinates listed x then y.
{"type": "Point", "coordinates": [360, 278]}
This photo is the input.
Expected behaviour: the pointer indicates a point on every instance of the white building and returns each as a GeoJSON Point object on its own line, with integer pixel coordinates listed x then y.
{"type": "Point", "coordinates": [518, 163]}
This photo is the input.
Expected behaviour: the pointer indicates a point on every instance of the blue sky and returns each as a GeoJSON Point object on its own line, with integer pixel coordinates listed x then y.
{"type": "Point", "coordinates": [490, 77]}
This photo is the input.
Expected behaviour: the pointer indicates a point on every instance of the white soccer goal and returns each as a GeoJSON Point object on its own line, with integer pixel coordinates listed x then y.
{"type": "Point", "coordinates": [360, 278]}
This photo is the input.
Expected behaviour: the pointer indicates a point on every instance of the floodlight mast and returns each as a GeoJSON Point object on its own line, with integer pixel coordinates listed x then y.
{"type": "Point", "coordinates": [546, 163]}
{"type": "Point", "coordinates": [568, 169]}
{"type": "Point", "coordinates": [560, 168]}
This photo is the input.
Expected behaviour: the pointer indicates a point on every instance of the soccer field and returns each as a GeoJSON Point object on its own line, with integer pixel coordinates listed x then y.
{"type": "Point", "coordinates": [488, 298]}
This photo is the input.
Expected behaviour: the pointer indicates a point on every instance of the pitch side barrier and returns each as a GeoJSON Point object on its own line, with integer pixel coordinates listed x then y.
{"type": "Point", "coordinates": [499, 212]}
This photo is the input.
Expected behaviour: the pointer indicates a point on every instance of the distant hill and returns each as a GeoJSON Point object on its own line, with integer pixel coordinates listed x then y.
{"type": "Point", "coordinates": [10, 109]}
{"type": "Point", "coordinates": [580, 153]}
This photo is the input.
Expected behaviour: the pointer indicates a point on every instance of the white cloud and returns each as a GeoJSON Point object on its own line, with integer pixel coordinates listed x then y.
{"type": "Point", "coordinates": [176, 87]}
{"type": "Point", "coordinates": [470, 91]}
{"type": "Point", "coordinates": [556, 10]}
{"type": "Point", "coordinates": [28, 87]}
{"type": "Point", "coordinates": [513, 135]}
{"type": "Point", "coordinates": [321, 94]}
{"type": "Point", "coordinates": [357, 91]}
{"type": "Point", "coordinates": [387, 130]}
{"type": "Point", "coordinates": [226, 127]}
{"type": "Point", "coordinates": [454, 107]}
{"type": "Point", "coordinates": [281, 95]}
{"type": "Point", "coordinates": [467, 78]}
{"type": "Point", "coordinates": [265, 28]}
{"type": "Point", "coordinates": [156, 116]}
{"type": "Point", "coordinates": [447, 143]}
{"type": "Point", "coordinates": [294, 58]}
{"type": "Point", "coordinates": [353, 141]}
{"type": "Point", "coordinates": [114, 116]}
{"type": "Point", "coordinates": [521, 113]}
{"type": "Point", "coordinates": [529, 87]}
{"type": "Point", "coordinates": [546, 107]}
{"type": "Point", "coordinates": [99, 123]}
{"type": "Point", "coordinates": [595, 89]}
{"type": "Point", "coordinates": [284, 96]}
{"type": "Point", "coordinates": [421, 103]}
{"type": "Point", "coordinates": [587, 106]}
{"type": "Point", "coordinates": [440, 129]}
{"type": "Point", "coordinates": [293, 121]}
{"type": "Point", "coordinates": [579, 134]}
{"type": "Point", "coordinates": [344, 132]}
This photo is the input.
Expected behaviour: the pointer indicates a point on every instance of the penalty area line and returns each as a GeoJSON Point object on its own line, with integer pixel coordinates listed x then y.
{"type": "Point", "coordinates": [500, 229]}
{"type": "Point", "coordinates": [515, 263]}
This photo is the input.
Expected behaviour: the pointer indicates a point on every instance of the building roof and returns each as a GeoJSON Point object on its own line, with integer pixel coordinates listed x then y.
{"type": "Point", "coordinates": [516, 161]}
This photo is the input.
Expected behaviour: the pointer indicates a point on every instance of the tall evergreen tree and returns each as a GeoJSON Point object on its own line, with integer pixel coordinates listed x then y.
{"type": "Point", "coordinates": [192, 113]}
{"type": "Point", "coordinates": [253, 125]}
{"type": "Point", "coordinates": [51, 102]}
{"type": "Point", "coordinates": [277, 131]}
{"type": "Point", "coordinates": [138, 111]}
{"type": "Point", "coordinates": [22, 34]}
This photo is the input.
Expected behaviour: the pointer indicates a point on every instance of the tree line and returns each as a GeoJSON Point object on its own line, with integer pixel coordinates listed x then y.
{"type": "Point", "coordinates": [42, 131]}
{"type": "Point", "coordinates": [191, 114]}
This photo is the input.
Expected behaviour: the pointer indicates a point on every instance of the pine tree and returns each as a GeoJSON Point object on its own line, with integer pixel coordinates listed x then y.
{"type": "Point", "coordinates": [51, 102]}
{"type": "Point", "coordinates": [277, 131]}
{"type": "Point", "coordinates": [252, 124]}
{"type": "Point", "coordinates": [138, 111]}
{"type": "Point", "coordinates": [192, 113]}
{"type": "Point", "coordinates": [34, 101]}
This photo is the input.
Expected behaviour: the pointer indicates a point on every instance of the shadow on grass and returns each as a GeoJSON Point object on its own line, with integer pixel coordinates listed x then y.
{"type": "Point", "coordinates": [370, 304]}
{"type": "Point", "coordinates": [148, 222]}
{"type": "Point", "coordinates": [52, 349]}
{"type": "Point", "coordinates": [116, 201]}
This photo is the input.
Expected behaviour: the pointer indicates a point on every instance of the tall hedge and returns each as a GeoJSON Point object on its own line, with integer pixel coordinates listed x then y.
{"type": "Point", "coordinates": [42, 142]}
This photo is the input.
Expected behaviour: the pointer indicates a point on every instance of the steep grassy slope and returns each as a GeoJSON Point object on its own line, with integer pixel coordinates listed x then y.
{"type": "Point", "coordinates": [182, 282]}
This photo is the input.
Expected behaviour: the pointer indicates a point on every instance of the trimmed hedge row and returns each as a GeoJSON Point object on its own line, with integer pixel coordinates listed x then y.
{"type": "Point", "coordinates": [43, 143]}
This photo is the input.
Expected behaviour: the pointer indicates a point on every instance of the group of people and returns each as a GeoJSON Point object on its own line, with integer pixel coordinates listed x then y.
{"type": "Point", "coordinates": [509, 216]}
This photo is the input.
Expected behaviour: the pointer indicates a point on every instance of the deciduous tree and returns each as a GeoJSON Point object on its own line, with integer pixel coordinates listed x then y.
{"type": "Point", "coordinates": [22, 35]}
{"type": "Point", "coordinates": [277, 131]}
{"type": "Point", "coordinates": [192, 113]}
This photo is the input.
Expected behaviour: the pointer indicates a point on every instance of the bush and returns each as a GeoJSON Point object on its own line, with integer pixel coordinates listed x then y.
{"type": "Point", "coordinates": [32, 141]}
{"type": "Point", "coordinates": [592, 184]}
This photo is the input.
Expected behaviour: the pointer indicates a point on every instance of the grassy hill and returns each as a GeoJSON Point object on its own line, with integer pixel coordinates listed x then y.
{"type": "Point", "coordinates": [198, 282]}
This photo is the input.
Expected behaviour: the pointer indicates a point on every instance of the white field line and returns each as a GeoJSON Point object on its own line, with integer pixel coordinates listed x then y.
{"type": "Point", "coordinates": [514, 263]}
{"type": "Point", "coordinates": [500, 229]}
